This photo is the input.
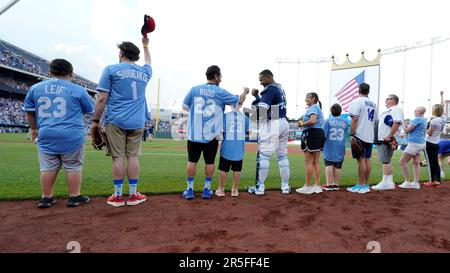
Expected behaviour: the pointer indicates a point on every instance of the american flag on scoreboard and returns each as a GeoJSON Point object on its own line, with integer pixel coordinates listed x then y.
{"type": "Point", "coordinates": [350, 91]}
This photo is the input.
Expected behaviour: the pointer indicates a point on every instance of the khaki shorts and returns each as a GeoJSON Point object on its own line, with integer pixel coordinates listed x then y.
{"type": "Point", "coordinates": [123, 142]}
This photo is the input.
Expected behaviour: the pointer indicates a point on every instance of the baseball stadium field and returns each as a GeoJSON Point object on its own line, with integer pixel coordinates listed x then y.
{"type": "Point", "coordinates": [396, 221]}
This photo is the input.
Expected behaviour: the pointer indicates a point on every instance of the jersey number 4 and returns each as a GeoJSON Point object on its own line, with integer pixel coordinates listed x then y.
{"type": "Point", "coordinates": [371, 113]}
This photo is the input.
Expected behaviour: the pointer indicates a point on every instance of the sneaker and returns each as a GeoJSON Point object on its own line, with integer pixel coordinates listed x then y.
{"type": "Point", "coordinates": [364, 189]}
{"type": "Point", "coordinates": [384, 186]}
{"type": "Point", "coordinates": [46, 202]}
{"type": "Point", "coordinates": [405, 185]}
{"type": "Point", "coordinates": [328, 187]}
{"type": "Point", "coordinates": [251, 189]}
{"type": "Point", "coordinates": [116, 201]}
{"type": "Point", "coordinates": [189, 194]}
{"type": "Point", "coordinates": [207, 194]}
{"type": "Point", "coordinates": [317, 189]}
{"type": "Point", "coordinates": [306, 190]}
{"type": "Point", "coordinates": [77, 201]}
{"type": "Point", "coordinates": [260, 190]}
{"type": "Point", "coordinates": [430, 184]}
{"type": "Point", "coordinates": [234, 193]}
{"type": "Point", "coordinates": [335, 187]}
{"type": "Point", "coordinates": [354, 189]}
{"type": "Point", "coordinates": [220, 193]}
{"type": "Point", "coordinates": [285, 189]}
{"type": "Point", "coordinates": [136, 199]}
{"type": "Point", "coordinates": [415, 186]}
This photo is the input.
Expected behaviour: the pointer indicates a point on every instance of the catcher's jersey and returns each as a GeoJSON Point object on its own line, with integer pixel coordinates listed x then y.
{"type": "Point", "coordinates": [206, 104]}
{"type": "Point", "coordinates": [366, 111]}
{"type": "Point", "coordinates": [236, 124]}
{"type": "Point", "coordinates": [395, 114]}
{"type": "Point", "coordinates": [126, 84]}
{"type": "Point", "coordinates": [335, 130]}
{"type": "Point", "coordinates": [273, 99]}
{"type": "Point", "coordinates": [59, 106]}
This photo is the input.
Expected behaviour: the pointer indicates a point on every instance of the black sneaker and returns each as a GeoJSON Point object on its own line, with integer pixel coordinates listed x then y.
{"type": "Point", "coordinates": [46, 202]}
{"type": "Point", "coordinates": [77, 201]}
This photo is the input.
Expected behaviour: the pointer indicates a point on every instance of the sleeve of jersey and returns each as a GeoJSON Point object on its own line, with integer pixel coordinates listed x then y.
{"type": "Point", "coordinates": [415, 122]}
{"type": "Point", "coordinates": [105, 82]}
{"type": "Point", "coordinates": [29, 104]}
{"type": "Point", "coordinates": [149, 70]}
{"type": "Point", "coordinates": [187, 102]}
{"type": "Point", "coordinates": [354, 110]}
{"type": "Point", "coordinates": [398, 115]}
{"type": "Point", "coordinates": [326, 128]}
{"type": "Point", "coordinates": [86, 103]}
{"type": "Point", "coordinates": [229, 99]}
{"type": "Point", "coordinates": [313, 111]}
{"type": "Point", "coordinates": [267, 98]}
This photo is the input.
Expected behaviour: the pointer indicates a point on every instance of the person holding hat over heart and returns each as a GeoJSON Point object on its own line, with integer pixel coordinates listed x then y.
{"type": "Point", "coordinates": [388, 129]}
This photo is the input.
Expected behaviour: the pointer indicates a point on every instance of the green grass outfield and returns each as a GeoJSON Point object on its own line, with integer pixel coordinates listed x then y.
{"type": "Point", "coordinates": [162, 170]}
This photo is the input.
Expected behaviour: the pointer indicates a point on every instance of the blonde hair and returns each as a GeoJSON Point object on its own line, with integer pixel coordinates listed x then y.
{"type": "Point", "coordinates": [438, 110]}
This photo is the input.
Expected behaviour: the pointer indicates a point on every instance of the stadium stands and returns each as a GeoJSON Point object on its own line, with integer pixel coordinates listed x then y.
{"type": "Point", "coordinates": [12, 56]}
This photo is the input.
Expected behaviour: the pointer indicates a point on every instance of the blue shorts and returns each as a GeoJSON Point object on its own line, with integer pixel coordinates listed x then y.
{"type": "Point", "coordinates": [444, 147]}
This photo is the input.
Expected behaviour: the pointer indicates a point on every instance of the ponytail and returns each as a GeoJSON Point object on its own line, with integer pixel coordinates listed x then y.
{"type": "Point", "coordinates": [320, 104]}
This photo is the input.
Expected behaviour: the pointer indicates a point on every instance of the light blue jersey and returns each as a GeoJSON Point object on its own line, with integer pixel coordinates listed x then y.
{"type": "Point", "coordinates": [314, 110]}
{"type": "Point", "coordinates": [126, 84]}
{"type": "Point", "coordinates": [60, 107]}
{"type": "Point", "coordinates": [206, 104]}
{"type": "Point", "coordinates": [236, 124]}
{"type": "Point", "coordinates": [335, 130]}
{"type": "Point", "coordinates": [418, 134]}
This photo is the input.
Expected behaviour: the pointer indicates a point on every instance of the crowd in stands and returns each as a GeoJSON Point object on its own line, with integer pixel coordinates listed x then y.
{"type": "Point", "coordinates": [12, 85]}
{"type": "Point", "coordinates": [20, 59]}
{"type": "Point", "coordinates": [11, 112]}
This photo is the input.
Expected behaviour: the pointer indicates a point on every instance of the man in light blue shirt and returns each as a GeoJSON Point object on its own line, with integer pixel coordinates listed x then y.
{"type": "Point", "coordinates": [236, 125]}
{"type": "Point", "coordinates": [55, 111]}
{"type": "Point", "coordinates": [122, 89]}
{"type": "Point", "coordinates": [416, 144]}
{"type": "Point", "coordinates": [206, 104]}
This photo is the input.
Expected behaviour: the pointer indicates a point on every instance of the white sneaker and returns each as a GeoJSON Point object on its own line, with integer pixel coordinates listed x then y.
{"type": "Point", "coordinates": [384, 186]}
{"type": "Point", "coordinates": [260, 190]}
{"type": "Point", "coordinates": [317, 189]}
{"type": "Point", "coordinates": [415, 186]}
{"type": "Point", "coordinates": [306, 190]}
{"type": "Point", "coordinates": [405, 185]}
{"type": "Point", "coordinates": [285, 189]}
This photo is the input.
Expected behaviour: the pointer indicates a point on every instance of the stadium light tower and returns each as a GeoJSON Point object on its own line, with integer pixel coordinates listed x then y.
{"type": "Point", "coordinates": [8, 6]}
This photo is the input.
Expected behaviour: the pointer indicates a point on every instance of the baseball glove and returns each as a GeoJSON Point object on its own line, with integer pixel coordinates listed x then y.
{"type": "Point", "coordinates": [356, 145]}
{"type": "Point", "coordinates": [393, 144]}
{"type": "Point", "coordinates": [99, 138]}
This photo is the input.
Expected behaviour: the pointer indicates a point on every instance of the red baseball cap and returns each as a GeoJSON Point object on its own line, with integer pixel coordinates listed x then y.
{"type": "Point", "coordinates": [149, 25]}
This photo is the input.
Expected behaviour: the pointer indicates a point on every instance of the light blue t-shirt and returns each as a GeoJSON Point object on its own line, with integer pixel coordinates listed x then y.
{"type": "Point", "coordinates": [206, 104]}
{"type": "Point", "coordinates": [126, 84]}
{"type": "Point", "coordinates": [314, 109]}
{"type": "Point", "coordinates": [335, 130]}
{"type": "Point", "coordinates": [236, 124]}
{"type": "Point", "coordinates": [60, 107]}
{"type": "Point", "coordinates": [418, 134]}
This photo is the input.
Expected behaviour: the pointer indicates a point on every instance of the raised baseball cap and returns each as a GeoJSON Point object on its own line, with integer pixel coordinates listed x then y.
{"type": "Point", "coordinates": [149, 25]}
